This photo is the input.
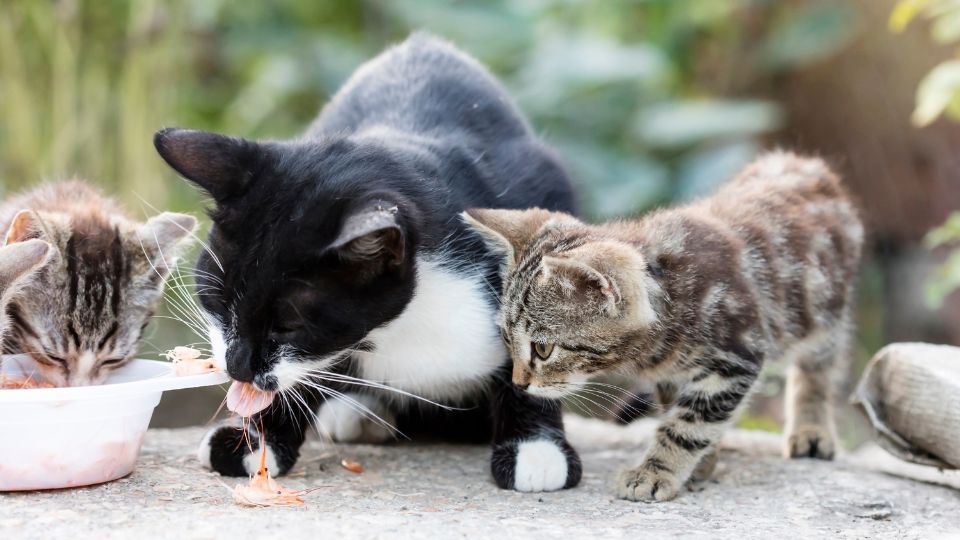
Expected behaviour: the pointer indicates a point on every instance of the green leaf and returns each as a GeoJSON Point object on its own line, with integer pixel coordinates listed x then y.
{"type": "Point", "coordinates": [904, 12]}
{"type": "Point", "coordinates": [684, 123]}
{"type": "Point", "coordinates": [946, 233]}
{"type": "Point", "coordinates": [813, 33]}
{"type": "Point", "coordinates": [935, 92]}
{"type": "Point", "coordinates": [944, 280]}
{"type": "Point", "coordinates": [614, 184]}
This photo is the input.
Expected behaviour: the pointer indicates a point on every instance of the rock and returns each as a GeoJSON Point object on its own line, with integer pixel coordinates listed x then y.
{"type": "Point", "coordinates": [445, 491]}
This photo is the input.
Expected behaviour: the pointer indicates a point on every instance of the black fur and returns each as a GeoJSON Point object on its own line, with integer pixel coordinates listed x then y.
{"type": "Point", "coordinates": [320, 235]}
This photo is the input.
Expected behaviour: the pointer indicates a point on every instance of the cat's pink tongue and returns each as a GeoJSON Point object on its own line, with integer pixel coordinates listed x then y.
{"type": "Point", "coordinates": [245, 400]}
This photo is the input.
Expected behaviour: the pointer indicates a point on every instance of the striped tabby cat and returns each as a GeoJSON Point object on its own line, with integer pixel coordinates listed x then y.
{"type": "Point", "coordinates": [81, 315]}
{"type": "Point", "coordinates": [693, 298]}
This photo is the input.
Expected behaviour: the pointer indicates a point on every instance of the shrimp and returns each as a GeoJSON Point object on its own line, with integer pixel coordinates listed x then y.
{"type": "Point", "coordinates": [188, 361]}
{"type": "Point", "coordinates": [263, 490]}
{"type": "Point", "coordinates": [22, 383]}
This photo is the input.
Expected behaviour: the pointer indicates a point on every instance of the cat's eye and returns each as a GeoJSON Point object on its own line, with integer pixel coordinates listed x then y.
{"type": "Point", "coordinates": [542, 350]}
{"type": "Point", "coordinates": [57, 359]}
{"type": "Point", "coordinates": [112, 361]}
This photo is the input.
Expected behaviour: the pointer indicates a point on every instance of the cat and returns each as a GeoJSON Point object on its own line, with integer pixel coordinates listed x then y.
{"type": "Point", "coordinates": [693, 298]}
{"type": "Point", "coordinates": [341, 254]}
{"type": "Point", "coordinates": [18, 262]}
{"type": "Point", "coordinates": [82, 314]}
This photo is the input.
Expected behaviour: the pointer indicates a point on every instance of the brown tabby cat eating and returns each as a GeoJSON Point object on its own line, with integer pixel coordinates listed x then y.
{"type": "Point", "coordinates": [81, 315]}
{"type": "Point", "coordinates": [695, 298]}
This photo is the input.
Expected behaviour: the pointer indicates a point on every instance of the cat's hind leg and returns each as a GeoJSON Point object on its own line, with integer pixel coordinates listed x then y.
{"type": "Point", "coordinates": [356, 418]}
{"type": "Point", "coordinates": [809, 425]}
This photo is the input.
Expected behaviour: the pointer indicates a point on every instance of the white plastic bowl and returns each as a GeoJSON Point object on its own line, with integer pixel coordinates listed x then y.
{"type": "Point", "coordinates": [69, 437]}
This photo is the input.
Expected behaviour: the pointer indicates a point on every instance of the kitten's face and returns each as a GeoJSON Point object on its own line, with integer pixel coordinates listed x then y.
{"type": "Point", "coordinates": [570, 298]}
{"type": "Point", "coordinates": [304, 258]}
{"type": "Point", "coordinates": [82, 315]}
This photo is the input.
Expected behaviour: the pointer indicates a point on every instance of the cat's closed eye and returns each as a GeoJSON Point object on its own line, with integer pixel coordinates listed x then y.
{"type": "Point", "coordinates": [112, 361]}
{"type": "Point", "coordinates": [542, 350]}
{"type": "Point", "coordinates": [56, 359]}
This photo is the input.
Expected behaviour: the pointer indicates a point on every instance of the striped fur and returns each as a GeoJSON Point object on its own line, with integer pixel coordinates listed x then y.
{"type": "Point", "coordinates": [82, 315]}
{"type": "Point", "coordinates": [694, 298]}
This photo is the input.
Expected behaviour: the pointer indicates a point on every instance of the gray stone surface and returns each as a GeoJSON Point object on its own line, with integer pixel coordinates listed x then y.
{"type": "Point", "coordinates": [440, 491]}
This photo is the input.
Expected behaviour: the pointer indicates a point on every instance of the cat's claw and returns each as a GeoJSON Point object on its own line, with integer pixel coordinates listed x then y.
{"type": "Point", "coordinates": [810, 441]}
{"type": "Point", "coordinates": [646, 485]}
{"type": "Point", "coordinates": [536, 465]}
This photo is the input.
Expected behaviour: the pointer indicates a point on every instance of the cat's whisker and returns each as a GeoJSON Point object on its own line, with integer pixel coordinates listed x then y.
{"type": "Point", "coordinates": [625, 408]}
{"type": "Point", "coordinates": [346, 379]}
{"type": "Point", "coordinates": [613, 398]}
{"type": "Point", "coordinates": [190, 233]}
{"type": "Point", "coordinates": [358, 407]}
{"type": "Point", "coordinates": [600, 405]}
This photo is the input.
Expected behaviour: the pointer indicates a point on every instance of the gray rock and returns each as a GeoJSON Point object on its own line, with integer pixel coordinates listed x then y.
{"type": "Point", "coordinates": [445, 491]}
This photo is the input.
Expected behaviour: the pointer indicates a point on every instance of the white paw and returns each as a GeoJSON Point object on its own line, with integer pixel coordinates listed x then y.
{"type": "Point", "coordinates": [340, 420]}
{"type": "Point", "coordinates": [541, 466]}
{"type": "Point", "coordinates": [203, 451]}
{"type": "Point", "coordinates": [251, 462]}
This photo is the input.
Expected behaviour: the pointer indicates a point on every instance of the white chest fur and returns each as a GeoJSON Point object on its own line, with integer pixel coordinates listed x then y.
{"type": "Point", "coordinates": [444, 344]}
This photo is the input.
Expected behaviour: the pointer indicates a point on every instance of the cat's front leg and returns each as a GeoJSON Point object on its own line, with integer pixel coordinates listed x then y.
{"type": "Point", "coordinates": [703, 409]}
{"type": "Point", "coordinates": [530, 451]}
{"type": "Point", "coordinates": [234, 449]}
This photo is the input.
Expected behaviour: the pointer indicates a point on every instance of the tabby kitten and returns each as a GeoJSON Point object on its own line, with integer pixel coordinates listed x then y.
{"type": "Point", "coordinates": [694, 298]}
{"type": "Point", "coordinates": [17, 263]}
{"type": "Point", "coordinates": [81, 316]}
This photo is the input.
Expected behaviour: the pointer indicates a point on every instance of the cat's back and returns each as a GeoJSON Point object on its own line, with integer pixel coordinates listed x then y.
{"type": "Point", "coordinates": [424, 85]}
{"type": "Point", "coordinates": [794, 200]}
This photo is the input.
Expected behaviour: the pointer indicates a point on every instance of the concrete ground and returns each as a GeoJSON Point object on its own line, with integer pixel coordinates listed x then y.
{"type": "Point", "coordinates": [441, 491]}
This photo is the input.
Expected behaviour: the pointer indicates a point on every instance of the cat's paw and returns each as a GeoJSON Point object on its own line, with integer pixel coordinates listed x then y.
{"type": "Point", "coordinates": [647, 484]}
{"type": "Point", "coordinates": [810, 441]}
{"type": "Point", "coordinates": [341, 421]}
{"type": "Point", "coordinates": [535, 465]}
{"type": "Point", "coordinates": [230, 452]}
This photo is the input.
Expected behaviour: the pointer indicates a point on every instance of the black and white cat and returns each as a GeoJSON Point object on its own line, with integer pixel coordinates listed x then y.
{"type": "Point", "coordinates": [342, 253]}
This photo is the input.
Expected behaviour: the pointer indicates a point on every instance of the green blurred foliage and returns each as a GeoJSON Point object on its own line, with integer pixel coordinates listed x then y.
{"type": "Point", "coordinates": [937, 94]}
{"type": "Point", "coordinates": [649, 101]}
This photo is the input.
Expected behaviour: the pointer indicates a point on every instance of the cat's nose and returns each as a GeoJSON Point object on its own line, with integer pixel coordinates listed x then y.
{"type": "Point", "coordinates": [240, 361]}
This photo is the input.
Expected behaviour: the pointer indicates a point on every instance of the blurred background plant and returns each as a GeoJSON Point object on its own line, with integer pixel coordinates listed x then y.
{"type": "Point", "coordinates": [938, 94]}
{"type": "Point", "coordinates": [649, 101]}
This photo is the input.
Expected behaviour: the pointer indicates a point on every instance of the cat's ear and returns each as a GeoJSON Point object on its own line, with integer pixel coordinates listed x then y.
{"type": "Point", "coordinates": [219, 164]}
{"type": "Point", "coordinates": [581, 280]}
{"type": "Point", "coordinates": [26, 225]}
{"type": "Point", "coordinates": [373, 234]}
{"type": "Point", "coordinates": [164, 236]}
{"type": "Point", "coordinates": [507, 232]}
{"type": "Point", "coordinates": [21, 259]}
